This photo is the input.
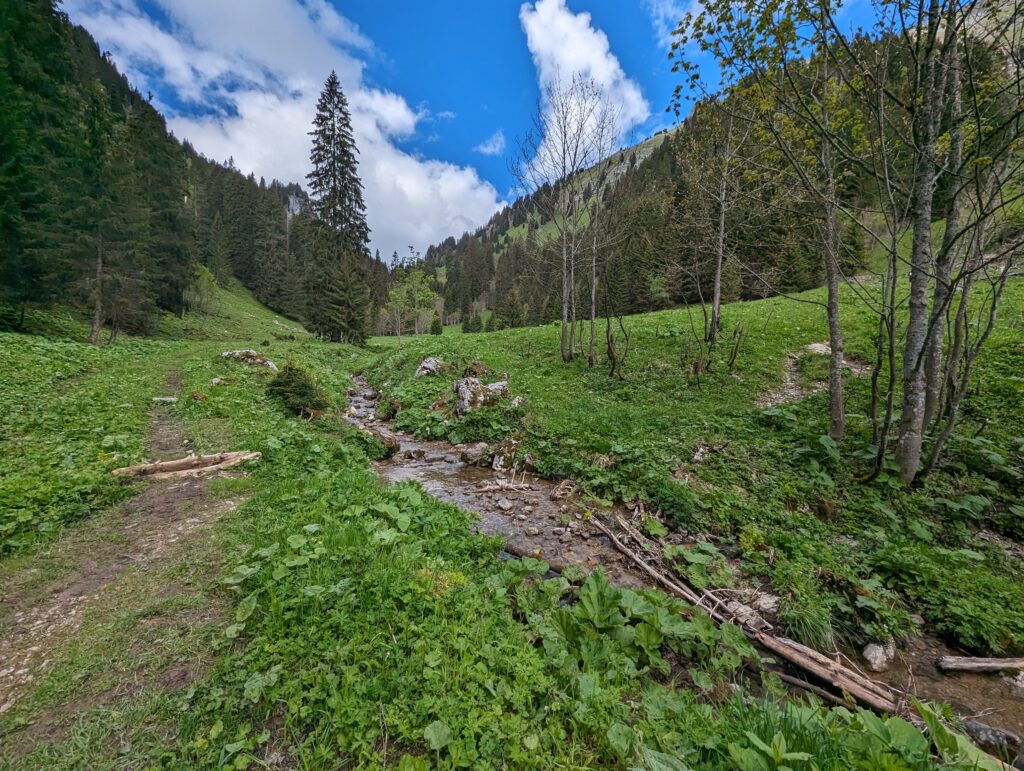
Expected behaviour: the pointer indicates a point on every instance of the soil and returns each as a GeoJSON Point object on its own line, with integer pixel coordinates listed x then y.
{"type": "Point", "coordinates": [92, 567]}
{"type": "Point", "coordinates": [520, 507]}
{"type": "Point", "coordinates": [790, 390]}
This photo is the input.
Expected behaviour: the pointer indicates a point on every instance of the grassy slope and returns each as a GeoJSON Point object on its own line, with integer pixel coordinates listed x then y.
{"type": "Point", "coordinates": [849, 559]}
{"type": "Point", "coordinates": [369, 623]}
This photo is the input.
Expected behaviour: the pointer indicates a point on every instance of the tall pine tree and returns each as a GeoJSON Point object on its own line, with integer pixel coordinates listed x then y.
{"type": "Point", "coordinates": [339, 313]}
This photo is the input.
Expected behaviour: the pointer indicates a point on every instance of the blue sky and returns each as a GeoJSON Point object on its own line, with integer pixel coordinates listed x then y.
{"type": "Point", "coordinates": [439, 91]}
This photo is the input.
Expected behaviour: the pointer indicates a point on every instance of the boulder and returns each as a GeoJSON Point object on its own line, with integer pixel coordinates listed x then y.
{"type": "Point", "coordinates": [249, 356]}
{"type": "Point", "coordinates": [476, 369]}
{"type": "Point", "coordinates": [995, 741]}
{"type": "Point", "coordinates": [878, 657]}
{"type": "Point", "coordinates": [390, 441]}
{"type": "Point", "coordinates": [470, 394]}
{"type": "Point", "coordinates": [475, 454]}
{"type": "Point", "coordinates": [505, 504]}
{"type": "Point", "coordinates": [430, 366]}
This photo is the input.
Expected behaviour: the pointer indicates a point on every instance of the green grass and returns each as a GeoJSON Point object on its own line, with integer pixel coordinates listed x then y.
{"type": "Point", "coordinates": [825, 540]}
{"type": "Point", "coordinates": [357, 625]}
{"type": "Point", "coordinates": [234, 316]}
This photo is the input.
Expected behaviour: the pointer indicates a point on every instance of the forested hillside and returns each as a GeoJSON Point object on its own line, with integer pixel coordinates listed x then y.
{"type": "Point", "coordinates": [104, 210]}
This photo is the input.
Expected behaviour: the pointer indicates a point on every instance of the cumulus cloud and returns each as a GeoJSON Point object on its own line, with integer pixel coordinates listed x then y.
{"type": "Point", "coordinates": [564, 44]}
{"type": "Point", "coordinates": [248, 91]}
{"type": "Point", "coordinates": [493, 145]}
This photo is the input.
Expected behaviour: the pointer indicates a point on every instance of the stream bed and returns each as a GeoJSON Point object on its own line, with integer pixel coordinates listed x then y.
{"type": "Point", "coordinates": [546, 520]}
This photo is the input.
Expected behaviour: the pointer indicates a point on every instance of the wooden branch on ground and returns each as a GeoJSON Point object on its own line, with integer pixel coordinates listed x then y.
{"type": "Point", "coordinates": [969, 664]}
{"type": "Point", "coordinates": [844, 680]}
{"type": "Point", "coordinates": [193, 465]}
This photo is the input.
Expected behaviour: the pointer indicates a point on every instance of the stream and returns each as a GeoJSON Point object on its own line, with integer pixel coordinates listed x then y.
{"type": "Point", "coordinates": [545, 520]}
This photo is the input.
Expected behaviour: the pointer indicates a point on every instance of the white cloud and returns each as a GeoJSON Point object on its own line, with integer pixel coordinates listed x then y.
{"type": "Point", "coordinates": [493, 145]}
{"type": "Point", "coordinates": [250, 90]}
{"type": "Point", "coordinates": [666, 15]}
{"type": "Point", "coordinates": [565, 44]}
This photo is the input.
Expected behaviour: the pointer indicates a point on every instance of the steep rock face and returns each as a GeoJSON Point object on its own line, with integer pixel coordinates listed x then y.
{"type": "Point", "coordinates": [470, 393]}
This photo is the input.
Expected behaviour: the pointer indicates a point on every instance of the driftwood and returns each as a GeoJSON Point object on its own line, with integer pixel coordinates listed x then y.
{"type": "Point", "coordinates": [845, 680]}
{"type": "Point", "coordinates": [969, 664]}
{"type": "Point", "coordinates": [193, 465]}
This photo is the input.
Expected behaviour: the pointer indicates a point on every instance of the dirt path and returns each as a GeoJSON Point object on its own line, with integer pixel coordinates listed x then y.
{"type": "Point", "coordinates": [128, 561]}
{"type": "Point", "coordinates": [790, 390]}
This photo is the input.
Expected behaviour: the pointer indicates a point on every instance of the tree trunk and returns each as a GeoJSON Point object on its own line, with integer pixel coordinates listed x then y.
{"type": "Point", "coordinates": [944, 265]}
{"type": "Point", "coordinates": [97, 313]}
{"type": "Point", "coordinates": [837, 409]}
{"type": "Point", "coordinates": [566, 345]}
{"type": "Point", "coordinates": [593, 301]}
{"type": "Point", "coordinates": [908, 450]}
{"type": "Point", "coordinates": [716, 299]}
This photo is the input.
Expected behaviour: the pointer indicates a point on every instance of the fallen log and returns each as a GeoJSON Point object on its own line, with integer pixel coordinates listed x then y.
{"type": "Point", "coordinates": [970, 664]}
{"type": "Point", "coordinates": [845, 680]}
{"type": "Point", "coordinates": [193, 465]}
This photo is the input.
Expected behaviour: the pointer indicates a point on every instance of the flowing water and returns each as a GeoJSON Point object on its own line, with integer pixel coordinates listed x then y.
{"type": "Point", "coordinates": [537, 519]}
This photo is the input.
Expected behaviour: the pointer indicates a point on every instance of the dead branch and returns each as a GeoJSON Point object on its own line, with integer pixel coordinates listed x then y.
{"type": "Point", "coordinates": [865, 691]}
{"type": "Point", "coordinates": [193, 465]}
{"type": "Point", "coordinates": [970, 664]}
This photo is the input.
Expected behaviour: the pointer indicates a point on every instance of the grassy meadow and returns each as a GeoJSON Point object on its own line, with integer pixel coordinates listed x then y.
{"type": "Point", "coordinates": [325, 620]}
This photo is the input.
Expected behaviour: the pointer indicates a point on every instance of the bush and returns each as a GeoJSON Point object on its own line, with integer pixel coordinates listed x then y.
{"type": "Point", "coordinates": [472, 324]}
{"type": "Point", "coordinates": [435, 326]}
{"type": "Point", "coordinates": [295, 388]}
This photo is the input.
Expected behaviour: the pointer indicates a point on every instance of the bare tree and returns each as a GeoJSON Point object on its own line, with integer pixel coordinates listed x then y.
{"type": "Point", "coordinates": [937, 87]}
{"type": "Point", "coordinates": [573, 131]}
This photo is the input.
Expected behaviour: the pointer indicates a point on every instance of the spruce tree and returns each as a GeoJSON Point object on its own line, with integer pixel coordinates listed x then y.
{"type": "Point", "coordinates": [338, 203]}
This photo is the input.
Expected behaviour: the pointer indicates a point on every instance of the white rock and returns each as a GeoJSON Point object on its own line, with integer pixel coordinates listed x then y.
{"type": "Point", "coordinates": [766, 603]}
{"type": "Point", "coordinates": [878, 657]}
{"type": "Point", "coordinates": [430, 366]}
{"type": "Point", "coordinates": [505, 504]}
{"type": "Point", "coordinates": [166, 399]}
{"type": "Point", "coordinates": [249, 356]}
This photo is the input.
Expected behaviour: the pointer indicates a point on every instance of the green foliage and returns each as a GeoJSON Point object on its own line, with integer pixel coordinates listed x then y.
{"type": "Point", "coordinates": [295, 388]}
{"type": "Point", "coordinates": [69, 414]}
{"type": "Point", "coordinates": [777, 485]}
{"type": "Point", "coordinates": [435, 326]}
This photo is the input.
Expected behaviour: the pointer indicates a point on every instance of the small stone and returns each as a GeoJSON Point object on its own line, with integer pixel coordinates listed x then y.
{"type": "Point", "coordinates": [766, 603]}
{"type": "Point", "coordinates": [505, 504]}
{"type": "Point", "coordinates": [917, 618]}
{"type": "Point", "coordinates": [167, 399]}
{"type": "Point", "coordinates": [878, 657]}
{"type": "Point", "coordinates": [528, 509]}
{"type": "Point", "coordinates": [521, 517]}
{"type": "Point", "coordinates": [1016, 684]}
{"type": "Point", "coordinates": [217, 381]}
{"type": "Point", "coordinates": [532, 531]}
{"type": "Point", "coordinates": [558, 531]}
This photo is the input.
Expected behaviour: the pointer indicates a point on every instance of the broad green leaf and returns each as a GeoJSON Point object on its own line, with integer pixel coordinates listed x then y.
{"type": "Point", "coordinates": [246, 607]}
{"type": "Point", "coordinates": [438, 735]}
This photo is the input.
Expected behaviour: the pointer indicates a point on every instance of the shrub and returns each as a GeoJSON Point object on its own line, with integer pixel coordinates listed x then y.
{"type": "Point", "coordinates": [435, 326]}
{"type": "Point", "coordinates": [295, 388]}
{"type": "Point", "coordinates": [472, 324]}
